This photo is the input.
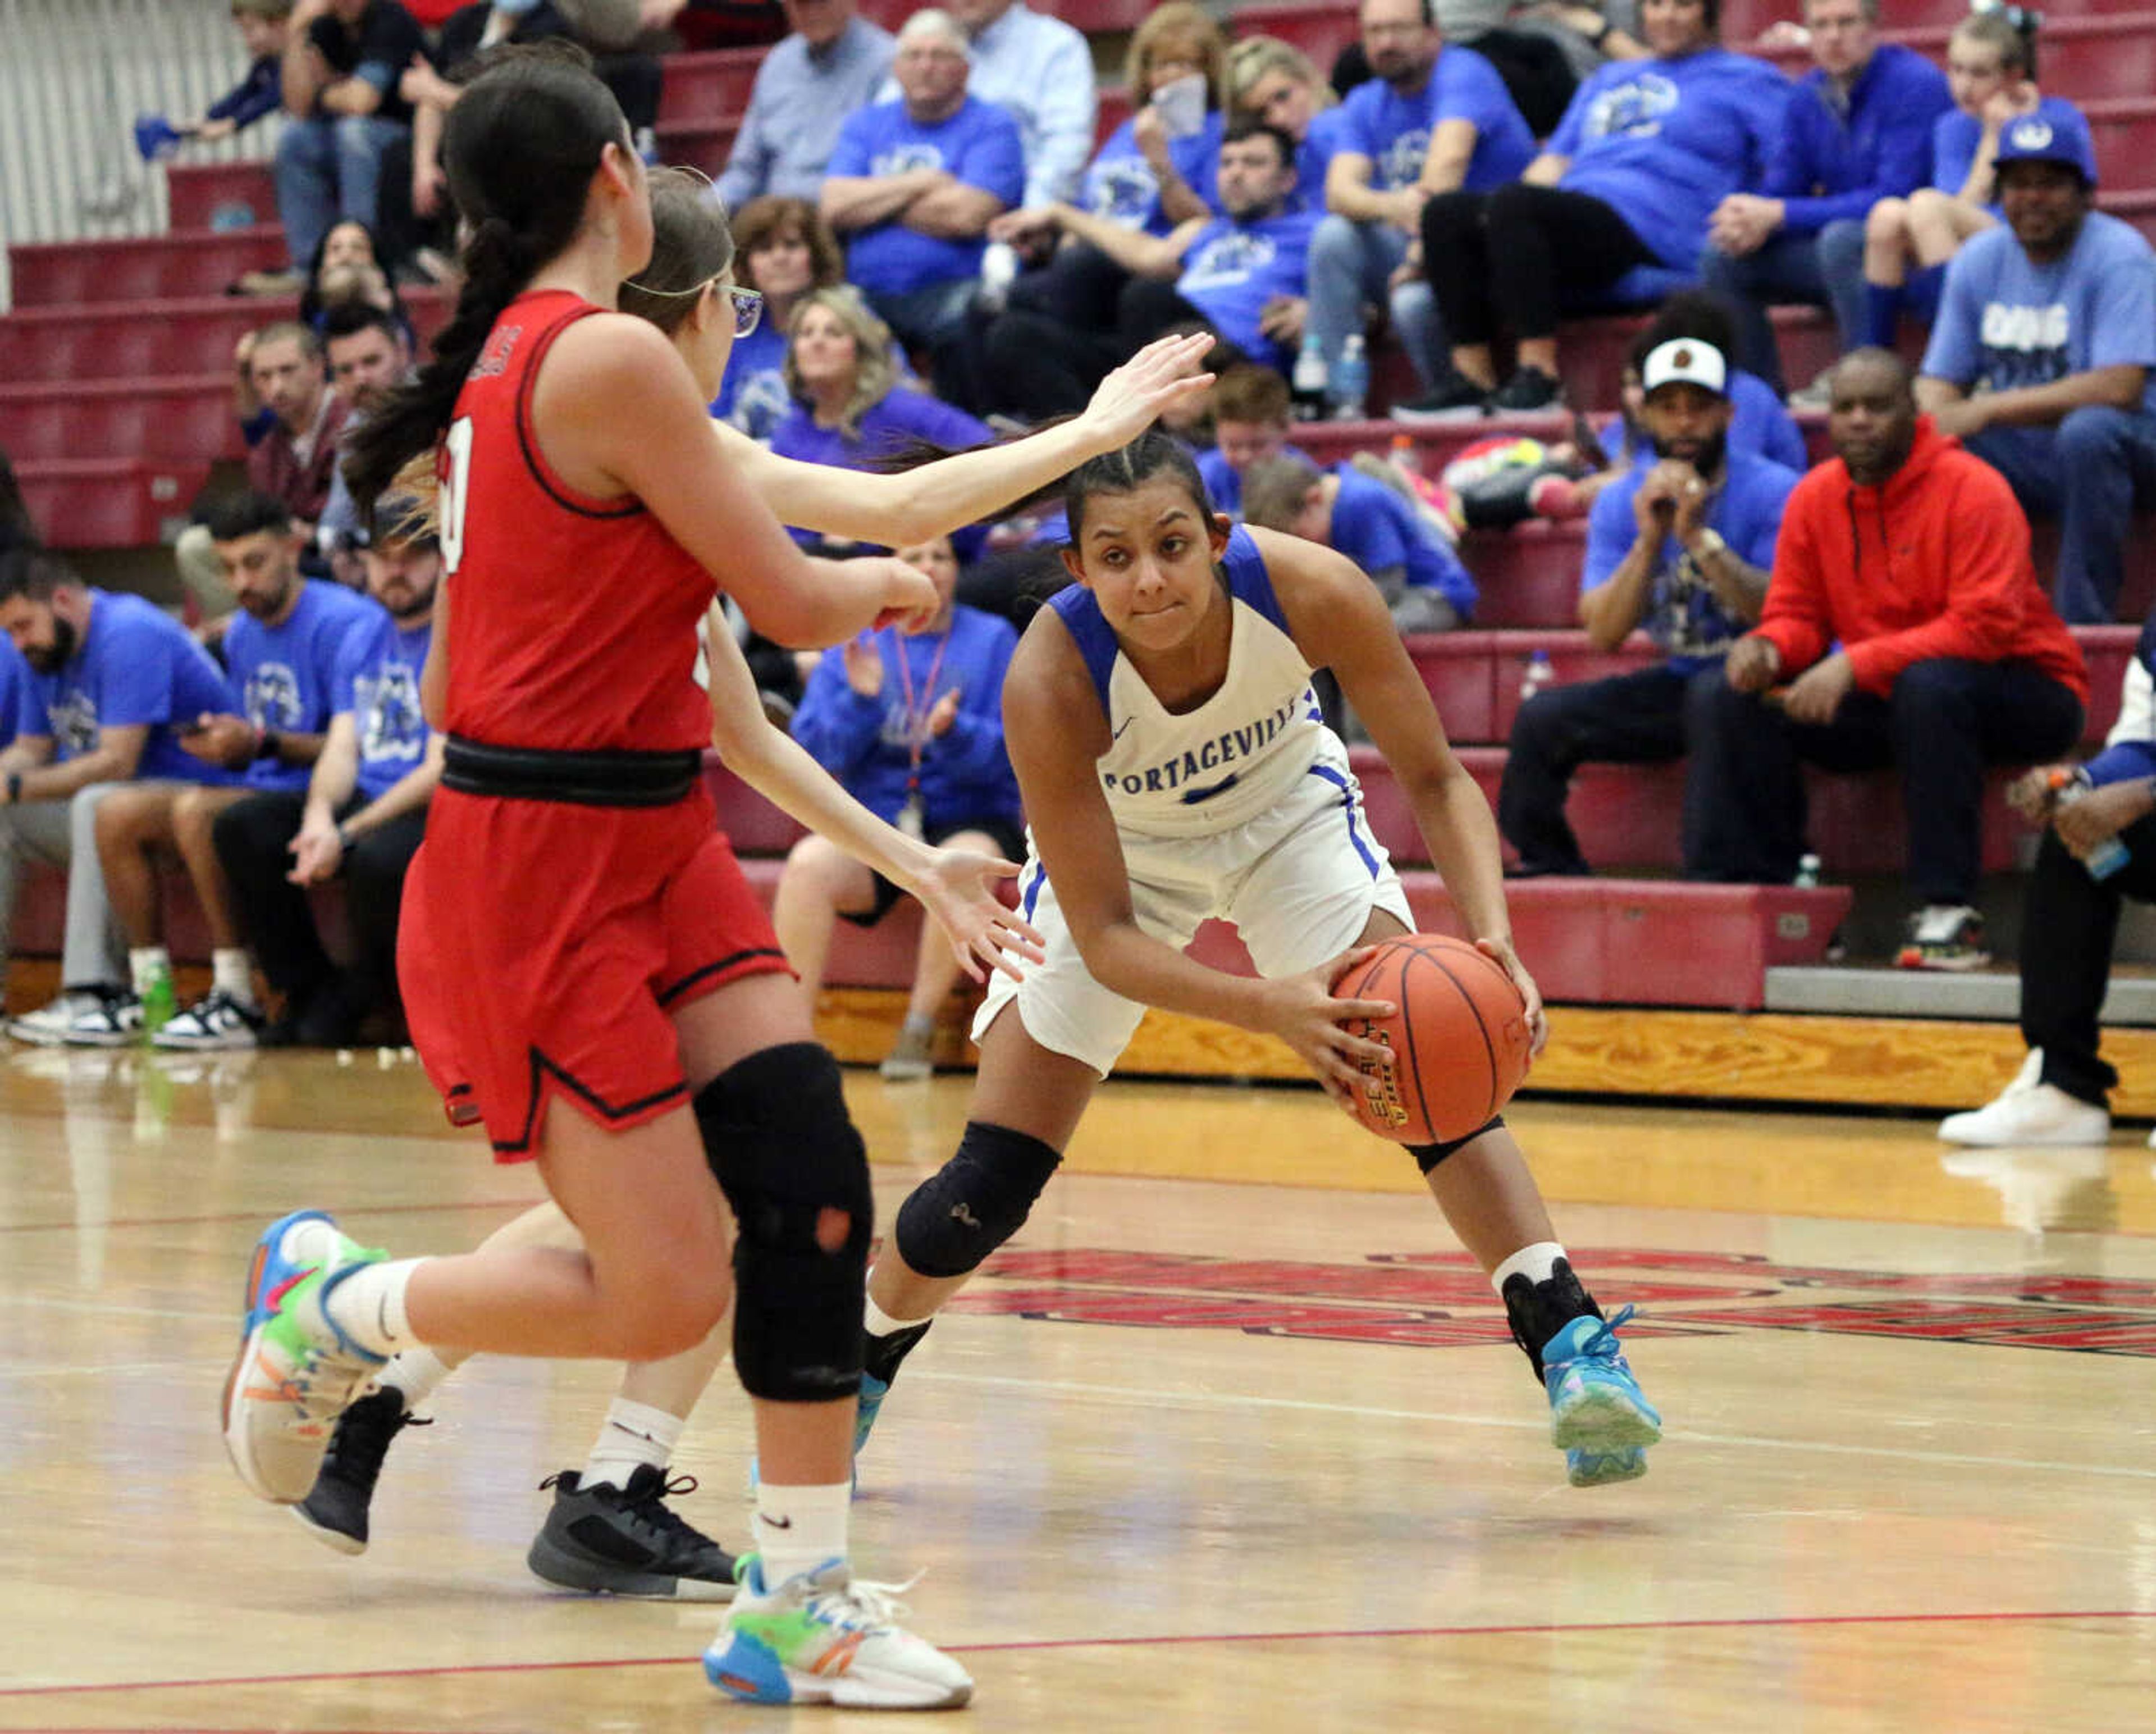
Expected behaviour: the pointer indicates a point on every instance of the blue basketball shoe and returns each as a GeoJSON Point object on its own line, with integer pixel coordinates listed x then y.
{"type": "Point", "coordinates": [1599, 1417]}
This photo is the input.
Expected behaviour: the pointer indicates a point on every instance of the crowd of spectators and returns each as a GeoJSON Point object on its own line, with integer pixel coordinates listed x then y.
{"type": "Point", "coordinates": [944, 252]}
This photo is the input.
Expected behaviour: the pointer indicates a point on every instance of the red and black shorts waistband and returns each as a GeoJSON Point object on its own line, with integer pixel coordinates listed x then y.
{"type": "Point", "coordinates": [580, 779]}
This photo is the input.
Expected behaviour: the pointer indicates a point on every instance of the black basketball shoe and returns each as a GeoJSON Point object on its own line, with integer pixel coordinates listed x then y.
{"type": "Point", "coordinates": [625, 1541]}
{"type": "Point", "coordinates": [344, 1486]}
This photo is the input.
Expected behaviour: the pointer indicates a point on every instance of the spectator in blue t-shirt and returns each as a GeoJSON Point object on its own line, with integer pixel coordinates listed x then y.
{"type": "Point", "coordinates": [1374, 524]}
{"type": "Point", "coordinates": [1683, 548]}
{"type": "Point", "coordinates": [848, 407]}
{"type": "Point", "coordinates": [1646, 152]}
{"type": "Point", "coordinates": [1429, 120]}
{"type": "Point", "coordinates": [281, 654]}
{"type": "Point", "coordinates": [913, 185]}
{"type": "Point", "coordinates": [1244, 275]}
{"type": "Point", "coordinates": [1250, 424]}
{"type": "Point", "coordinates": [911, 724]}
{"type": "Point", "coordinates": [361, 815]}
{"type": "Point", "coordinates": [1858, 130]}
{"type": "Point", "coordinates": [1159, 168]}
{"type": "Point", "coordinates": [2041, 362]}
{"type": "Point", "coordinates": [14, 677]}
{"type": "Point", "coordinates": [103, 683]}
{"type": "Point", "coordinates": [785, 250]}
{"type": "Point", "coordinates": [1907, 241]}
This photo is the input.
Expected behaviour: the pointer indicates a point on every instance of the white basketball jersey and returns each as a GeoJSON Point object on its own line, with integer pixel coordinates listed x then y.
{"type": "Point", "coordinates": [1237, 754]}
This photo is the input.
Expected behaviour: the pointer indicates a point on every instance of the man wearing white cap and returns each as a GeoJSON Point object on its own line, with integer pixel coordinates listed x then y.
{"type": "Point", "coordinates": [1681, 547]}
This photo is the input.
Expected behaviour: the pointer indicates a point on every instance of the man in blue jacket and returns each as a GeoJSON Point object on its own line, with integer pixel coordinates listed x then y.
{"type": "Point", "coordinates": [2061, 1094]}
{"type": "Point", "coordinates": [1858, 130]}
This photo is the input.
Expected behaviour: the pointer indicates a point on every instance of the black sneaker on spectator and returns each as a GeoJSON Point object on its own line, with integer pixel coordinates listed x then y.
{"type": "Point", "coordinates": [344, 1485]}
{"type": "Point", "coordinates": [215, 1021]}
{"type": "Point", "coordinates": [624, 1542]}
{"type": "Point", "coordinates": [113, 1020]}
{"type": "Point", "coordinates": [1457, 398]}
{"type": "Point", "coordinates": [1527, 392]}
{"type": "Point", "coordinates": [1944, 935]}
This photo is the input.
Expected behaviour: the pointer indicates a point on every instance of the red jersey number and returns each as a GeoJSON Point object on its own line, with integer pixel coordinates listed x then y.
{"type": "Point", "coordinates": [456, 475]}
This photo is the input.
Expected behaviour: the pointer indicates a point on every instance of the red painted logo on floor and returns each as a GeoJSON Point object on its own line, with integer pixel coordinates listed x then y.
{"type": "Point", "coordinates": [1443, 1300]}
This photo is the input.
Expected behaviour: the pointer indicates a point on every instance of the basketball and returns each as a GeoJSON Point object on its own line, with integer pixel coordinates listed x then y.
{"type": "Point", "coordinates": [1459, 1038]}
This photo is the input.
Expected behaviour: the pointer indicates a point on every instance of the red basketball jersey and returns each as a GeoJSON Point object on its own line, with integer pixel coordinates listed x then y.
{"type": "Point", "coordinates": [572, 621]}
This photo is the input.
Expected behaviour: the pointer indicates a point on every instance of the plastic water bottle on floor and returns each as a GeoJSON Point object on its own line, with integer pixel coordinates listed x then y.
{"type": "Point", "coordinates": [1348, 390]}
{"type": "Point", "coordinates": [1808, 873]}
{"type": "Point", "coordinates": [1306, 385]}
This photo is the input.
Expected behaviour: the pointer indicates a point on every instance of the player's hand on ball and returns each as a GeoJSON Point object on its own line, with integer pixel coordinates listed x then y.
{"type": "Point", "coordinates": [1301, 1010]}
{"type": "Point", "coordinates": [1501, 952]}
{"type": "Point", "coordinates": [1131, 398]}
{"type": "Point", "coordinates": [958, 891]}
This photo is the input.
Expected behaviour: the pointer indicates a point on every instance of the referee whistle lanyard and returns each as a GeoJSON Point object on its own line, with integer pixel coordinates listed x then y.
{"type": "Point", "coordinates": [911, 817]}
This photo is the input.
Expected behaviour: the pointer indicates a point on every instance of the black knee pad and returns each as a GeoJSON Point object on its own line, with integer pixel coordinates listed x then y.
{"type": "Point", "coordinates": [977, 1201]}
{"type": "Point", "coordinates": [1429, 1155]}
{"type": "Point", "coordinates": [776, 1135]}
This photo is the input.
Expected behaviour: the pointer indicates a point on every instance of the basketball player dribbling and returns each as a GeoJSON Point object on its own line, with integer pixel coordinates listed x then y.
{"type": "Point", "coordinates": [586, 969]}
{"type": "Point", "coordinates": [608, 1528]}
{"type": "Point", "coordinates": [1174, 766]}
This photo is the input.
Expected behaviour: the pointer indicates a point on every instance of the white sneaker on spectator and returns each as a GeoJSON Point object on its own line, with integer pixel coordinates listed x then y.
{"type": "Point", "coordinates": [1815, 396]}
{"type": "Point", "coordinates": [48, 1025]}
{"type": "Point", "coordinates": [111, 1020]}
{"type": "Point", "coordinates": [2029, 1111]}
{"type": "Point", "coordinates": [216, 1021]}
{"type": "Point", "coordinates": [1944, 935]}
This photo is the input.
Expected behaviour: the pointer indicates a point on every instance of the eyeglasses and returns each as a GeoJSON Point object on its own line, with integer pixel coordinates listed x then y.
{"type": "Point", "coordinates": [748, 310]}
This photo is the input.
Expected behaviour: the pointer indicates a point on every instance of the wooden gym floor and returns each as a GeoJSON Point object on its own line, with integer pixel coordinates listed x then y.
{"type": "Point", "coordinates": [1229, 1439]}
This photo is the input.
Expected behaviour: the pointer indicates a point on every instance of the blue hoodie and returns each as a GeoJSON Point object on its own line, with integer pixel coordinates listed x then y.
{"type": "Point", "coordinates": [1830, 166]}
{"type": "Point", "coordinates": [965, 774]}
{"type": "Point", "coordinates": [1663, 142]}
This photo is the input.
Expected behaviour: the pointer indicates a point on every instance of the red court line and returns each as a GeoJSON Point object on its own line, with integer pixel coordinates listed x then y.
{"type": "Point", "coordinates": [1538, 1628]}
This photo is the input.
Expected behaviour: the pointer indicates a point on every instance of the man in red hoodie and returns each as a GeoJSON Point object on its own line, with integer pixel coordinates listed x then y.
{"type": "Point", "coordinates": [1903, 625]}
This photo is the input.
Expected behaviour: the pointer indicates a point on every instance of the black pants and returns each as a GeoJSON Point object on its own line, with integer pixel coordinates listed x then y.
{"type": "Point", "coordinates": [1507, 259]}
{"type": "Point", "coordinates": [2070, 922]}
{"type": "Point", "coordinates": [1625, 719]}
{"type": "Point", "coordinates": [254, 839]}
{"type": "Point", "coordinates": [1946, 720]}
{"type": "Point", "coordinates": [1034, 364]}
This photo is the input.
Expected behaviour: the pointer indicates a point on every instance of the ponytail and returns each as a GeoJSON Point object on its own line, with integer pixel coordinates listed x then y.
{"type": "Point", "coordinates": [520, 149]}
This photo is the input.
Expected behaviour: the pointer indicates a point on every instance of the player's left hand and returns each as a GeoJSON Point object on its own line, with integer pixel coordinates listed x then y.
{"type": "Point", "coordinates": [1131, 398]}
{"type": "Point", "coordinates": [1501, 953]}
{"type": "Point", "coordinates": [958, 891]}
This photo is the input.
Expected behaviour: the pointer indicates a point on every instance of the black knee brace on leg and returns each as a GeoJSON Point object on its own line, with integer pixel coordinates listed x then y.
{"type": "Point", "coordinates": [1429, 1155]}
{"type": "Point", "coordinates": [776, 1135]}
{"type": "Point", "coordinates": [977, 1201]}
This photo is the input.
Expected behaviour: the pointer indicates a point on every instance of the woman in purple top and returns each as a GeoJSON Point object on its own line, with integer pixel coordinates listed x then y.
{"type": "Point", "coordinates": [850, 410]}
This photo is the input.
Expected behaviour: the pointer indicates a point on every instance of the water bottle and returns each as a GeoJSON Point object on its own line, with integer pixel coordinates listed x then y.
{"type": "Point", "coordinates": [1348, 389]}
{"type": "Point", "coordinates": [2110, 855]}
{"type": "Point", "coordinates": [1538, 674]}
{"type": "Point", "coordinates": [1808, 873]}
{"type": "Point", "coordinates": [1306, 385]}
{"type": "Point", "coordinates": [159, 1003]}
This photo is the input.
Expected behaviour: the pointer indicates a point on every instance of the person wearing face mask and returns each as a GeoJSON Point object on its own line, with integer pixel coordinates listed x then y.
{"type": "Point", "coordinates": [104, 683]}
{"type": "Point", "coordinates": [1681, 546]}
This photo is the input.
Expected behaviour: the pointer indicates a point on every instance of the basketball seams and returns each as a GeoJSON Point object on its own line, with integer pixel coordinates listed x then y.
{"type": "Point", "coordinates": [1409, 956]}
{"type": "Point", "coordinates": [1488, 1047]}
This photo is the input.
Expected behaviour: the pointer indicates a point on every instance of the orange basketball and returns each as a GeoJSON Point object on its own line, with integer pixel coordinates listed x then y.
{"type": "Point", "coordinates": [1460, 1038]}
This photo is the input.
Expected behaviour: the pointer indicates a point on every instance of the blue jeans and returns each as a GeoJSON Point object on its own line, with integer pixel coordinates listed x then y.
{"type": "Point", "coordinates": [329, 170]}
{"type": "Point", "coordinates": [2088, 472]}
{"type": "Point", "coordinates": [1350, 264]}
{"type": "Point", "coordinates": [1825, 269]}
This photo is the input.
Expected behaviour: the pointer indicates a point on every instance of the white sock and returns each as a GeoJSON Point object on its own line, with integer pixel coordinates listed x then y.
{"type": "Point", "coordinates": [798, 1529]}
{"type": "Point", "coordinates": [882, 1323]}
{"type": "Point", "coordinates": [417, 1374]}
{"type": "Point", "coordinates": [229, 970]}
{"type": "Point", "coordinates": [1537, 1263]}
{"type": "Point", "coordinates": [145, 964]}
{"type": "Point", "coordinates": [634, 1435]}
{"type": "Point", "coordinates": [368, 1306]}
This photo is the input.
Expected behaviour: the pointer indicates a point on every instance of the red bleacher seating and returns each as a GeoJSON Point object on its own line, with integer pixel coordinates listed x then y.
{"type": "Point", "coordinates": [197, 191]}
{"type": "Point", "coordinates": [2085, 58]}
{"type": "Point", "coordinates": [188, 417]}
{"type": "Point", "coordinates": [110, 502]}
{"type": "Point", "coordinates": [146, 267]}
{"type": "Point", "coordinates": [704, 87]}
{"type": "Point", "coordinates": [704, 143]}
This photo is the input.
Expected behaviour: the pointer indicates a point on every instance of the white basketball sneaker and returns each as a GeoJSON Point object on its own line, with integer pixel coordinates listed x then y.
{"type": "Point", "coordinates": [822, 1637]}
{"type": "Point", "coordinates": [2029, 1111]}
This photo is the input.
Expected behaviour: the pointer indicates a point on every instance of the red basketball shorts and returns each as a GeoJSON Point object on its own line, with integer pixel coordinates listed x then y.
{"type": "Point", "coordinates": [544, 947]}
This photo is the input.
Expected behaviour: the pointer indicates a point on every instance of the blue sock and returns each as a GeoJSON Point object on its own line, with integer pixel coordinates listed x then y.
{"type": "Point", "coordinates": [1882, 309]}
